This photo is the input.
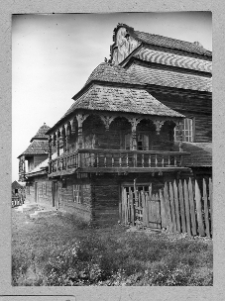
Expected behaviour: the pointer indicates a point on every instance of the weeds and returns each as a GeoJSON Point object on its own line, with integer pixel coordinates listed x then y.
{"type": "Point", "coordinates": [58, 249]}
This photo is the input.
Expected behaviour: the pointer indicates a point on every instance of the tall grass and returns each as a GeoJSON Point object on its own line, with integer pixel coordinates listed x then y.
{"type": "Point", "coordinates": [58, 249]}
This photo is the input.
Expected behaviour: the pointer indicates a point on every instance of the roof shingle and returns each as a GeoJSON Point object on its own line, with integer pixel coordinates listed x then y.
{"type": "Point", "coordinates": [171, 78]}
{"type": "Point", "coordinates": [117, 99]}
{"type": "Point", "coordinates": [173, 59]}
{"type": "Point", "coordinates": [200, 154]}
{"type": "Point", "coordinates": [41, 133]}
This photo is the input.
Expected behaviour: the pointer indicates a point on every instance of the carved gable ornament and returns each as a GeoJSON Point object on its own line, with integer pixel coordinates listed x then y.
{"type": "Point", "coordinates": [123, 46]}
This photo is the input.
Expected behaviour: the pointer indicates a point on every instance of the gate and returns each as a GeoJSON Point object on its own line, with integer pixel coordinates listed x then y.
{"type": "Point", "coordinates": [140, 207]}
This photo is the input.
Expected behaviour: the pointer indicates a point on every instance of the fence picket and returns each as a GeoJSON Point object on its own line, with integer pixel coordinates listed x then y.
{"type": "Point", "coordinates": [132, 206]}
{"type": "Point", "coordinates": [171, 198]}
{"type": "Point", "coordinates": [187, 211]}
{"type": "Point", "coordinates": [167, 207]}
{"type": "Point", "coordinates": [192, 207]}
{"type": "Point", "coordinates": [182, 207]}
{"type": "Point", "coordinates": [201, 230]}
{"type": "Point", "coordinates": [211, 203]}
{"type": "Point", "coordinates": [206, 212]}
{"type": "Point", "coordinates": [178, 226]}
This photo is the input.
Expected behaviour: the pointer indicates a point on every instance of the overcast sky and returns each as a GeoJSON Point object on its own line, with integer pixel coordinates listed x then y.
{"type": "Point", "coordinates": [53, 55]}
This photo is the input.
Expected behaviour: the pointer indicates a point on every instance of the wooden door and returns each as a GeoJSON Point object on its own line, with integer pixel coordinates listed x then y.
{"type": "Point", "coordinates": [55, 194]}
{"type": "Point", "coordinates": [141, 207]}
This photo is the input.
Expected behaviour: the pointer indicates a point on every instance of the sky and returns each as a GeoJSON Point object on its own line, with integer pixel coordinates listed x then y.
{"type": "Point", "coordinates": [53, 56]}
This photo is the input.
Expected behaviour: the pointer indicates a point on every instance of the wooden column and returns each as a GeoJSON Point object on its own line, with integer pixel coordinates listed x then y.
{"type": "Point", "coordinates": [57, 143]}
{"type": "Point", "coordinates": [134, 122]}
{"type": "Point", "coordinates": [80, 119]}
{"type": "Point", "coordinates": [49, 153]}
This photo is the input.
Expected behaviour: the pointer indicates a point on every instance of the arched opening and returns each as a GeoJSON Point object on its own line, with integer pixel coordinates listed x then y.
{"type": "Point", "coordinates": [94, 133]}
{"type": "Point", "coordinates": [166, 137]}
{"type": "Point", "coordinates": [119, 135]}
{"type": "Point", "coordinates": [146, 135]}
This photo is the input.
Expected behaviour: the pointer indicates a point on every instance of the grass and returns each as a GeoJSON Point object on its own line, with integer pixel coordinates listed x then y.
{"type": "Point", "coordinates": [58, 249]}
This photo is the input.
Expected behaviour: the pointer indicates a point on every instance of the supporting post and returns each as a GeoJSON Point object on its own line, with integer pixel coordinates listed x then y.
{"type": "Point", "coordinates": [80, 119]}
{"type": "Point", "coordinates": [49, 153]}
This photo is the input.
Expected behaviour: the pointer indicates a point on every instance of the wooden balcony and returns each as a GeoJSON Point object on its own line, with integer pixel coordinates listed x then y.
{"type": "Point", "coordinates": [109, 161]}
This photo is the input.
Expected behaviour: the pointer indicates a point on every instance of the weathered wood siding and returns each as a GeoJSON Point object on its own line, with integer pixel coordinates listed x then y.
{"type": "Point", "coordinates": [105, 198]}
{"type": "Point", "coordinates": [192, 106]}
{"type": "Point", "coordinates": [67, 201]}
{"type": "Point", "coordinates": [39, 159]}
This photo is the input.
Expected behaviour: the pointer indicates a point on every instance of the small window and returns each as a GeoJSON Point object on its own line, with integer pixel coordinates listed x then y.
{"type": "Point", "coordinates": [187, 129]}
{"type": "Point", "coordinates": [77, 196]}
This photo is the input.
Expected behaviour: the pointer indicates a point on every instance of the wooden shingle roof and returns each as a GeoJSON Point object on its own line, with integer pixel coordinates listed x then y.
{"type": "Point", "coordinates": [118, 99]}
{"type": "Point", "coordinates": [112, 74]}
{"type": "Point", "coordinates": [39, 143]}
{"type": "Point", "coordinates": [173, 59]}
{"type": "Point", "coordinates": [41, 133]}
{"type": "Point", "coordinates": [200, 154]}
{"type": "Point", "coordinates": [166, 42]}
{"type": "Point", "coordinates": [36, 148]}
{"type": "Point", "coordinates": [171, 78]}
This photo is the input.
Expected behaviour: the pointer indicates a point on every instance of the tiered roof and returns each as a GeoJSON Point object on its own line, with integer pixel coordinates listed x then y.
{"type": "Point", "coordinates": [112, 88]}
{"type": "Point", "coordinates": [39, 143]}
{"type": "Point", "coordinates": [41, 133]}
{"type": "Point", "coordinates": [166, 78]}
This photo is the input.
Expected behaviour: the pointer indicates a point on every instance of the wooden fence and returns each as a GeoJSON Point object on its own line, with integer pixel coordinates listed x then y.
{"type": "Point", "coordinates": [179, 207]}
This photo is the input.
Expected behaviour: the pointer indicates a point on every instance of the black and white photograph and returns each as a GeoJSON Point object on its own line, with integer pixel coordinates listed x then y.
{"type": "Point", "coordinates": [112, 149]}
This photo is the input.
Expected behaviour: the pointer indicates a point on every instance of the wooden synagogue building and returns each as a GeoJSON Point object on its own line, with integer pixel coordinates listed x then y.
{"type": "Point", "coordinates": [143, 116]}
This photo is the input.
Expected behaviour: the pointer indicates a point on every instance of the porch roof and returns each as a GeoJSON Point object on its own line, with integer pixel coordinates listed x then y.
{"type": "Point", "coordinates": [118, 99]}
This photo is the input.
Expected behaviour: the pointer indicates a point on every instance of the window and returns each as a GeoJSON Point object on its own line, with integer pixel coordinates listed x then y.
{"type": "Point", "coordinates": [77, 195]}
{"type": "Point", "coordinates": [187, 130]}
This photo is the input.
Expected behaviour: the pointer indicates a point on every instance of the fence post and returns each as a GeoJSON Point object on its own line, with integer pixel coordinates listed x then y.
{"type": "Point", "coordinates": [172, 206]}
{"type": "Point", "coordinates": [132, 205]}
{"type": "Point", "coordinates": [182, 207]}
{"type": "Point", "coordinates": [206, 212]}
{"type": "Point", "coordinates": [187, 211]}
{"type": "Point", "coordinates": [192, 207]}
{"type": "Point", "coordinates": [201, 230]}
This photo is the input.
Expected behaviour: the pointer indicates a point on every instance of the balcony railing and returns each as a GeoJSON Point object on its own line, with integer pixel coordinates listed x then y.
{"type": "Point", "coordinates": [91, 160]}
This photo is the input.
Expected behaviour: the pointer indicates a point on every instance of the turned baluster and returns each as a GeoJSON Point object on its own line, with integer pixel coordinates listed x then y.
{"type": "Point", "coordinates": [120, 161]}
{"type": "Point", "coordinates": [143, 160]}
{"type": "Point", "coordinates": [105, 160]}
{"type": "Point", "coordinates": [175, 161]}
{"type": "Point", "coordinates": [127, 160]}
{"type": "Point", "coordinates": [156, 161]}
{"type": "Point", "coordinates": [162, 161]}
{"type": "Point", "coordinates": [97, 159]}
{"type": "Point", "coordinates": [168, 160]}
{"type": "Point", "coordinates": [112, 161]}
{"type": "Point", "coordinates": [149, 161]}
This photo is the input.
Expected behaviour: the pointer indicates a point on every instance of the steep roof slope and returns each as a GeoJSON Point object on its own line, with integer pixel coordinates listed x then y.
{"type": "Point", "coordinates": [41, 133]}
